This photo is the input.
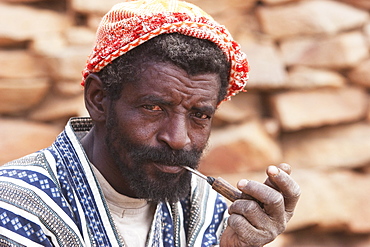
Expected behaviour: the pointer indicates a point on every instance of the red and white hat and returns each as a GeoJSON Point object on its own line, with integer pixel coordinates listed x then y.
{"type": "Point", "coordinates": [131, 23]}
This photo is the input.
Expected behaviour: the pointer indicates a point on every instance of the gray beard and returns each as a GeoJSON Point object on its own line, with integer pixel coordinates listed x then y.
{"type": "Point", "coordinates": [166, 187]}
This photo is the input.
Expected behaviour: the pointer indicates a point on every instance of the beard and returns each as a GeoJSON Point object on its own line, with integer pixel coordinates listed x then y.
{"type": "Point", "coordinates": [160, 187]}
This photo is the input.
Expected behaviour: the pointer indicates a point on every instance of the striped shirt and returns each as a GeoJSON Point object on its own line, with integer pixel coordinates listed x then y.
{"type": "Point", "coordinates": [53, 198]}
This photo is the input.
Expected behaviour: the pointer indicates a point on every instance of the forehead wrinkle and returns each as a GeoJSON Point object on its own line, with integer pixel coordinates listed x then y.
{"type": "Point", "coordinates": [166, 70]}
{"type": "Point", "coordinates": [191, 83]}
{"type": "Point", "coordinates": [179, 86]}
{"type": "Point", "coordinates": [201, 94]}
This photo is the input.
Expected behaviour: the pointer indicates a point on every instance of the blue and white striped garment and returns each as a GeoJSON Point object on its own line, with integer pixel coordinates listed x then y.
{"type": "Point", "coordinates": [52, 198]}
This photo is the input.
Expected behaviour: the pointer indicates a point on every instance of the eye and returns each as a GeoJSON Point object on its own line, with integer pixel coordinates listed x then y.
{"type": "Point", "coordinates": [201, 115]}
{"type": "Point", "coordinates": [152, 107]}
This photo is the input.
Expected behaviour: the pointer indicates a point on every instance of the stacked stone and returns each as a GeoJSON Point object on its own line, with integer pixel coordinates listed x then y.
{"type": "Point", "coordinates": [307, 105]}
{"type": "Point", "coordinates": [307, 100]}
{"type": "Point", "coordinates": [42, 52]}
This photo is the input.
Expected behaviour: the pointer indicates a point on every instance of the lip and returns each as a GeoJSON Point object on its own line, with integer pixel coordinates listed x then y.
{"type": "Point", "coordinates": [169, 169]}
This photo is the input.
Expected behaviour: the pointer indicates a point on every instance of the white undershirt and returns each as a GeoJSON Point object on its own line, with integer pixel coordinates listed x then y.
{"type": "Point", "coordinates": [133, 217]}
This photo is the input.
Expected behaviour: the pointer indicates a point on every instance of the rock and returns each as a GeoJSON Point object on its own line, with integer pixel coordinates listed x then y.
{"type": "Point", "coordinates": [20, 28]}
{"type": "Point", "coordinates": [68, 65]}
{"type": "Point", "coordinates": [309, 78]}
{"type": "Point", "coordinates": [21, 94]}
{"type": "Point", "coordinates": [19, 138]}
{"type": "Point", "coordinates": [77, 36]}
{"type": "Point", "coordinates": [22, 1]}
{"type": "Point", "coordinates": [94, 6]}
{"type": "Point", "coordinates": [272, 126]}
{"type": "Point", "coordinates": [368, 116]}
{"type": "Point", "coordinates": [93, 21]}
{"type": "Point", "coordinates": [267, 68]}
{"type": "Point", "coordinates": [239, 148]}
{"type": "Point", "coordinates": [241, 107]}
{"type": "Point", "coordinates": [360, 74]}
{"type": "Point", "coordinates": [222, 7]}
{"type": "Point", "coordinates": [339, 52]}
{"type": "Point", "coordinates": [68, 88]}
{"type": "Point", "coordinates": [231, 19]}
{"type": "Point", "coordinates": [20, 64]}
{"type": "Point", "coordinates": [362, 4]}
{"type": "Point", "coordinates": [56, 108]}
{"type": "Point", "coordinates": [48, 45]}
{"type": "Point", "coordinates": [303, 238]}
{"type": "Point", "coordinates": [366, 30]}
{"type": "Point", "coordinates": [328, 147]}
{"type": "Point", "coordinates": [319, 107]}
{"type": "Point", "coordinates": [333, 200]}
{"type": "Point", "coordinates": [277, 2]}
{"type": "Point", "coordinates": [9, 43]}
{"type": "Point", "coordinates": [310, 17]}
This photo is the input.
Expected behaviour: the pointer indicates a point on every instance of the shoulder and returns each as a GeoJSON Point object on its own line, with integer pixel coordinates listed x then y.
{"type": "Point", "coordinates": [41, 162]}
{"type": "Point", "coordinates": [27, 178]}
{"type": "Point", "coordinates": [31, 201]}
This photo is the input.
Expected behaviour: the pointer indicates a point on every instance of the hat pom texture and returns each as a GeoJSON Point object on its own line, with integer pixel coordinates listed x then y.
{"type": "Point", "coordinates": [131, 23]}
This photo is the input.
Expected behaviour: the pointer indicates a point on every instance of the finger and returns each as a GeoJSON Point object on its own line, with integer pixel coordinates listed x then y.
{"type": "Point", "coordinates": [247, 233]}
{"type": "Point", "coordinates": [286, 185]}
{"type": "Point", "coordinates": [283, 166]}
{"type": "Point", "coordinates": [251, 211]}
{"type": "Point", "coordinates": [272, 200]}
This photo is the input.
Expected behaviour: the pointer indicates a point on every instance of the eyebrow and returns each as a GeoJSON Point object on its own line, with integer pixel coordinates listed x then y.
{"type": "Point", "coordinates": [160, 101]}
{"type": "Point", "coordinates": [156, 100]}
{"type": "Point", "coordinates": [205, 109]}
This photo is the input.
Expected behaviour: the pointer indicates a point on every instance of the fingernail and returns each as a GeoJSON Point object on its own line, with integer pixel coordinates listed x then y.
{"type": "Point", "coordinates": [286, 167]}
{"type": "Point", "coordinates": [273, 170]}
{"type": "Point", "coordinates": [243, 183]}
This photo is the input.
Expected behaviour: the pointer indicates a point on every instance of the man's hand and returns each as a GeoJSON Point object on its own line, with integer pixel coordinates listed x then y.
{"type": "Point", "coordinates": [253, 223]}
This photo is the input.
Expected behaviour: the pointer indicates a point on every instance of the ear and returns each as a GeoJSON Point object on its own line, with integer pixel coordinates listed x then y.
{"type": "Point", "coordinates": [95, 98]}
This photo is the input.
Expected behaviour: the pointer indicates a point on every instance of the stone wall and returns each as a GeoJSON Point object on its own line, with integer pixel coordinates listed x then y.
{"type": "Point", "coordinates": [307, 100]}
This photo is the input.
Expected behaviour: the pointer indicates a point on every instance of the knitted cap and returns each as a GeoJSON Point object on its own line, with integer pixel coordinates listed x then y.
{"type": "Point", "coordinates": [131, 23]}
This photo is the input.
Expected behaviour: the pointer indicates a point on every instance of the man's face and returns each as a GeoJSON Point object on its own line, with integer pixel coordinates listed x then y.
{"type": "Point", "coordinates": [160, 123]}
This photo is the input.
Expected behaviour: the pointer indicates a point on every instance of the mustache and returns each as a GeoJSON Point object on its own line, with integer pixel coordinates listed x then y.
{"type": "Point", "coordinates": [166, 156]}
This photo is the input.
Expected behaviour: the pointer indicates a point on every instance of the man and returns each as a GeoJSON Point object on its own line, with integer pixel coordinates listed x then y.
{"type": "Point", "coordinates": [152, 85]}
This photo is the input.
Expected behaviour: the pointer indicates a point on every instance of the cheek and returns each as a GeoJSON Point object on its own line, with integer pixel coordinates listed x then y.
{"type": "Point", "coordinates": [200, 138]}
{"type": "Point", "coordinates": [140, 133]}
{"type": "Point", "coordinates": [134, 127]}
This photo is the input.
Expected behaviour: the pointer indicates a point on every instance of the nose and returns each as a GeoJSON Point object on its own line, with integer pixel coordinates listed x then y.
{"type": "Point", "coordinates": [174, 133]}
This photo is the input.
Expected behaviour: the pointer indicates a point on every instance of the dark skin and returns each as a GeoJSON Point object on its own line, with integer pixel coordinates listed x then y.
{"type": "Point", "coordinates": [158, 114]}
{"type": "Point", "coordinates": [169, 108]}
